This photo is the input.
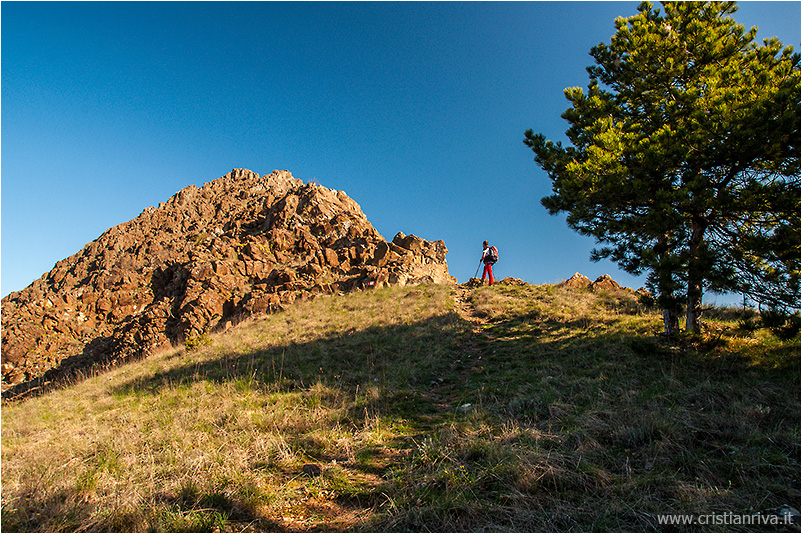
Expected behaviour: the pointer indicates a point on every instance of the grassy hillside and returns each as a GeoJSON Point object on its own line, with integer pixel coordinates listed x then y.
{"type": "Point", "coordinates": [526, 408]}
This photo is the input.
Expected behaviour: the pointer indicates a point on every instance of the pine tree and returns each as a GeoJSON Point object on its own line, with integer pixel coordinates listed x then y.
{"type": "Point", "coordinates": [685, 156]}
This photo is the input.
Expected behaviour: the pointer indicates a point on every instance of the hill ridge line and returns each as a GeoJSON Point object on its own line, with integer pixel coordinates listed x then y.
{"type": "Point", "coordinates": [240, 245]}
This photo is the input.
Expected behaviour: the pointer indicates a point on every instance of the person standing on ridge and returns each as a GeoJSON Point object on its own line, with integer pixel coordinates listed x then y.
{"type": "Point", "coordinates": [489, 257]}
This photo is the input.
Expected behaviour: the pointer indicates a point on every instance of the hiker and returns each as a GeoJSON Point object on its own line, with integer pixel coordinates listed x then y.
{"type": "Point", "coordinates": [489, 257]}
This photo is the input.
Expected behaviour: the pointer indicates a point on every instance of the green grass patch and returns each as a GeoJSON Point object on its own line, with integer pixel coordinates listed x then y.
{"type": "Point", "coordinates": [565, 411]}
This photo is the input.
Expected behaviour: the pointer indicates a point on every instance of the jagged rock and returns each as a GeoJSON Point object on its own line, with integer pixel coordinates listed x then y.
{"type": "Point", "coordinates": [511, 281]}
{"type": "Point", "coordinates": [578, 281]}
{"type": "Point", "coordinates": [645, 295]}
{"type": "Point", "coordinates": [605, 282]}
{"type": "Point", "coordinates": [239, 245]}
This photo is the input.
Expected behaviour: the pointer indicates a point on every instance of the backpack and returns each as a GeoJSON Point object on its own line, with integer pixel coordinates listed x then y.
{"type": "Point", "coordinates": [492, 256]}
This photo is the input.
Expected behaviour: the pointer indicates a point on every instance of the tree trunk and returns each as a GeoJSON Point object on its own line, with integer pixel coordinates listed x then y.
{"type": "Point", "coordinates": [695, 276]}
{"type": "Point", "coordinates": [694, 312]}
{"type": "Point", "coordinates": [666, 288]}
{"type": "Point", "coordinates": [670, 322]}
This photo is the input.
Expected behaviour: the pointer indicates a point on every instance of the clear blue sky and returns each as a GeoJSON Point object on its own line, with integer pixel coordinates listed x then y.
{"type": "Point", "coordinates": [416, 110]}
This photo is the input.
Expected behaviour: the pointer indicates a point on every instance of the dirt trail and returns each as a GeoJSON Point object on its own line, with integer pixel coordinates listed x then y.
{"type": "Point", "coordinates": [466, 310]}
{"type": "Point", "coordinates": [315, 511]}
{"type": "Point", "coordinates": [449, 392]}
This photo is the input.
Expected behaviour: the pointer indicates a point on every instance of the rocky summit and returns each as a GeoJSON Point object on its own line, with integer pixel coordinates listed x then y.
{"type": "Point", "coordinates": [242, 244]}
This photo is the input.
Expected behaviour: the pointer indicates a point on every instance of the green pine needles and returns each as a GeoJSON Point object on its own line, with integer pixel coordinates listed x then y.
{"type": "Point", "coordinates": [684, 161]}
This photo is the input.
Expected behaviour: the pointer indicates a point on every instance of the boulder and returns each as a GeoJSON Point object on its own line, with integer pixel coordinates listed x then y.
{"type": "Point", "coordinates": [511, 281]}
{"type": "Point", "coordinates": [605, 282]}
{"type": "Point", "coordinates": [409, 242]}
{"type": "Point", "coordinates": [578, 281]}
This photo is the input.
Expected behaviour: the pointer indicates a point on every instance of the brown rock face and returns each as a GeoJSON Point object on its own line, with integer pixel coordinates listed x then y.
{"type": "Point", "coordinates": [239, 245]}
{"type": "Point", "coordinates": [578, 281]}
{"type": "Point", "coordinates": [605, 282]}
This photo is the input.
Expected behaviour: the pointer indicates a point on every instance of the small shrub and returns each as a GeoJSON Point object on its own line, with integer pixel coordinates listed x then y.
{"type": "Point", "coordinates": [781, 324]}
{"type": "Point", "coordinates": [201, 340]}
{"type": "Point", "coordinates": [646, 300]}
{"type": "Point", "coordinates": [749, 324]}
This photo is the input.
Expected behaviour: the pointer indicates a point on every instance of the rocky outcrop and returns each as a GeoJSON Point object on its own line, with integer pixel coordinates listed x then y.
{"type": "Point", "coordinates": [605, 282]}
{"type": "Point", "coordinates": [512, 281]}
{"type": "Point", "coordinates": [240, 245]}
{"type": "Point", "coordinates": [578, 281]}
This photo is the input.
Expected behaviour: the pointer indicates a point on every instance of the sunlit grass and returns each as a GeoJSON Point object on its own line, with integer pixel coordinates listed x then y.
{"type": "Point", "coordinates": [564, 411]}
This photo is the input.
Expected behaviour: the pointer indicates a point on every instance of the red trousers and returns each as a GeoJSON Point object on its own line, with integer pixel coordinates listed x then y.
{"type": "Point", "coordinates": [488, 272]}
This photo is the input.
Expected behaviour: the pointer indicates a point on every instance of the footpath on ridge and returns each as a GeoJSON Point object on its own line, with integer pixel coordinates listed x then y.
{"type": "Point", "coordinates": [449, 392]}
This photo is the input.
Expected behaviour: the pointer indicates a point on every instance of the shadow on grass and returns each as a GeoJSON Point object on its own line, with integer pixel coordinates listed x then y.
{"type": "Point", "coordinates": [582, 425]}
{"type": "Point", "coordinates": [94, 359]}
{"type": "Point", "coordinates": [654, 426]}
{"type": "Point", "coordinates": [402, 361]}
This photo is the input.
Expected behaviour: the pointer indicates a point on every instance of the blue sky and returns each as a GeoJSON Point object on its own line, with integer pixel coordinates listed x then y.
{"type": "Point", "coordinates": [416, 110]}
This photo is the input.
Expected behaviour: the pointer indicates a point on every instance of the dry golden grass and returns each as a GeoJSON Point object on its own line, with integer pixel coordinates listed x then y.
{"type": "Point", "coordinates": [218, 435]}
{"type": "Point", "coordinates": [561, 410]}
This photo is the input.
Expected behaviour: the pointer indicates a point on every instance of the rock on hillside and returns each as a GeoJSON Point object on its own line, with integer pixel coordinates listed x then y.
{"type": "Point", "coordinates": [240, 245]}
{"type": "Point", "coordinates": [578, 281]}
{"type": "Point", "coordinates": [603, 283]}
